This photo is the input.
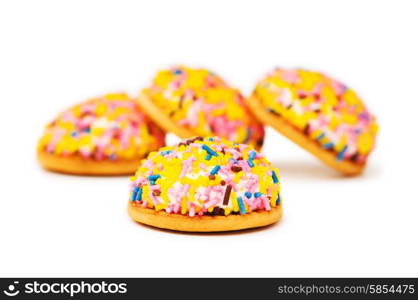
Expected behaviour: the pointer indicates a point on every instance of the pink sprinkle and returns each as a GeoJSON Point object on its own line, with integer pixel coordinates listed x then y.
{"type": "Point", "coordinates": [187, 166]}
{"type": "Point", "coordinates": [266, 202]}
{"type": "Point", "coordinates": [191, 210]}
{"type": "Point", "coordinates": [290, 76]}
{"type": "Point", "coordinates": [176, 208]}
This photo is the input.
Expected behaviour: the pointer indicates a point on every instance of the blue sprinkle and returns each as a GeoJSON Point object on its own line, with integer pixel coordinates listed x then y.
{"type": "Point", "coordinates": [234, 160]}
{"type": "Point", "coordinates": [278, 200]}
{"type": "Point", "coordinates": [257, 194]}
{"type": "Point", "coordinates": [250, 163]}
{"type": "Point", "coordinates": [248, 195]}
{"type": "Point", "coordinates": [210, 139]}
{"type": "Point", "coordinates": [328, 145]}
{"type": "Point", "coordinates": [139, 195]}
{"type": "Point", "coordinates": [87, 130]}
{"type": "Point", "coordinates": [241, 205]}
{"type": "Point", "coordinates": [74, 133]}
{"type": "Point", "coordinates": [178, 72]}
{"type": "Point", "coordinates": [252, 155]}
{"type": "Point", "coordinates": [164, 153]}
{"type": "Point", "coordinates": [340, 155]}
{"type": "Point", "coordinates": [133, 196]}
{"type": "Point", "coordinates": [208, 156]}
{"type": "Point", "coordinates": [215, 170]}
{"type": "Point", "coordinates": [209, 151]}
{"type": "Point", "coordinates": [153, 178]}
{"type": "Point", "coordinates": [274, 176]}
{"type": "Point", "coordinates": [112, 156]}
{"type": "Point", "coordinates": [320, 137]}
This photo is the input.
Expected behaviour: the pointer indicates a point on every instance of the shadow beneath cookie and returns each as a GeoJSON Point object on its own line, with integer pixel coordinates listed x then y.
{"type": "Point", "coordinates": [221, 233]}
{"type": "Point", "coordinates": [315, 171]}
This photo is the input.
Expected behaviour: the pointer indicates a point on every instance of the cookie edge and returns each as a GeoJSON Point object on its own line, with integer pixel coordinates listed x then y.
{"type": "Point", "coordinates": [77, 165]}
{"type": "Point", "coordinates": [282, 126]}
{"type": "Point", "coordinates": [179, 222]}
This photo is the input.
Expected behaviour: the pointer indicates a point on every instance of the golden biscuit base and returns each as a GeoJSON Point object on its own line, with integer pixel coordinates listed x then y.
{"type": "Point", "coordinates": [179, 222]}
{"type": "Point", "coordinates": [298, 137]}
{"type": "Point", "coordinates": [78, 165]}
{"type": "Point", "coordinates": [163, 121]}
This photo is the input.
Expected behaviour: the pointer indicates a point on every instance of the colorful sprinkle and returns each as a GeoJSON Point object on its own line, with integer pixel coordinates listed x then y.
{"type": "Point", "coordinates": [236, 169]}
{"type": "Point", "coordinates": [340, 155]}
{"type": "Point", "coordinates": [328, 145]}
{"type": "Point", "coordinates": [241, 205]}
{"type": "Point", "coordinates": [320, 137]}
{"type": "Point", "coordinates": [138, 196]}
{"type": "Point", "coordinates": [153, 178]}
{"type": "Point", "coordinates": [134, 192]}
{"type": "Point", "coordinates": [215, 170]}
{"type": "Point", "coordinates": [278, 200]}
{"type": "Point", "coordinates": [209, 151]}
{"type": "Point", "coordinates": [227, 194]}
{"type": "Point", "coordinates": [274, 176]}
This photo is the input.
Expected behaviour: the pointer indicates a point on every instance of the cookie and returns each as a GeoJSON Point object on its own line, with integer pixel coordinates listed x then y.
{"type": "Point", "coordinates": [196, 102]}
{"type": "Point", "coordinates": [206, 185]}
{"type": "Point", "coordinates": [108, 135]}
{"type": "Point", "coordinates": [318, 113]}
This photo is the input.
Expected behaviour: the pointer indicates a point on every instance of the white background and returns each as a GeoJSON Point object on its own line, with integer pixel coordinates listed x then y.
{"type": "Point", "coordinates": [55, 54]}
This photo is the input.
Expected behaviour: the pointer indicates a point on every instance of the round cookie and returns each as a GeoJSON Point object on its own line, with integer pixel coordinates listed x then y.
{"type": "Point", "coordinates": [205, 185]}
{"type": "Point", "coordinates": [318, 113]}
{"type": "Point", "coordinates": [108, 135]}
{"type": "Point", "coordinates": [195, 102]}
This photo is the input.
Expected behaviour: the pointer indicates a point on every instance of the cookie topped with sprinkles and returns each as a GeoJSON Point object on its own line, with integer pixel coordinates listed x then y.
{"type": "Point", "coordinates": [205, 177]}
{"type": "Point", "coordinates": [319, 113]}
{"type": "Point", "coordinates": [107, 128]}
{"type": "Point", "coordinates": [190, 102]}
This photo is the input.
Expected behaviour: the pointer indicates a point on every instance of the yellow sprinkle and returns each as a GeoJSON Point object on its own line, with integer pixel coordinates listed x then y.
{"type": "Point", "coordinates": [234, 201]}
{"type": "Point", "coordinates": [160, 206]}
{"type": "Point", "coordinates": [238, 176]}
{"type": "Point", "coordinates": [365, 143]}
{"type": "Point", "coordinates": [274, 193]}
{"type": "Point", "coordinates": [183, 205]}
{"type": "Point", "coordinates": [192, 191]}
